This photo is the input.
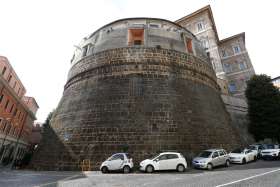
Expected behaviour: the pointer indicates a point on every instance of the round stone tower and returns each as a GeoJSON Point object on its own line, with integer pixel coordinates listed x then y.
{"type": "Point", "coordinates": [140, 85]}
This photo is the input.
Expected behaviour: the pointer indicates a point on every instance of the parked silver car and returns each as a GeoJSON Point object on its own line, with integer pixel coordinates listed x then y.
{"type": "Point", "coordinates": [211, 158]}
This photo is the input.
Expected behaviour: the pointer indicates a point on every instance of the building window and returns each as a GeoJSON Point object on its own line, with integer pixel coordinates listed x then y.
{"type": "Point", "coordinates": [15, 84]}
{"type": "Point", "coordinates": [232, 87]}
{"type": "Point", "coordinates": [205, 43]}
{"type": "Point", "coordinates": [135, 37]}
{"type": "Point", "coordinates": [227, 68]}
{"type": "Point", "coordinates": [236, 49]}
{"type": "Point", "coordinates": [15, 112]}
{"type": "Point", "coordinates": [224, 54]}
{"type": "Point", "coordinates": [12, 108]}
{"type": "Point", "coordinates": [213, 63]}
{"type": "Point", "coordinates": [85, 51]}
{"type": "Point", "coordinates": [7, 103]}
{"type": "Point", "coordinates": [10, 78]}
{"type": "Point", "coordinates": [154, 25]}
{"type": "Point", "coordinates": [200, 26]}
{"type": "Point", "coordinates": [241, 65]}
{"type": "Point", "coordinates": [189, 48]}
{"type": "Point", "coordinates": [1, 98]}
{"type": "Point", "coordinates": [4, 70]}
{"type": "Point", "coordinates": [18, 90]}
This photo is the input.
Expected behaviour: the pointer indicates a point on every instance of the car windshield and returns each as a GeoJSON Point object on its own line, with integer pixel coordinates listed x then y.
{"type": "Point", "coordinates": [153, 157]}
{"type": "Point", "coordinates": [252, 147]}
{"type": "Point", "coordinates": [238, 150]}
{"type": "Point", "coordinates": [270, 146]}
{"type": "Point", "coordinates": [205, 154]}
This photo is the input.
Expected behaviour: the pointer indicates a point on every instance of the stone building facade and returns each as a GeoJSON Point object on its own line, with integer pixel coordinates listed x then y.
{"type": "Point", "coordinates": [143, 84]}
{"type": "Point", "coordinates": [229, 57]}
{"type": "Point", "coordinates": [17, 114]}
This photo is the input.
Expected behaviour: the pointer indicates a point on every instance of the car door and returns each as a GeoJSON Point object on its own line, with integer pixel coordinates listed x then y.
{"type": "Point", "coordinates": [250, 155]}
{"type": "Point", "coordinates": [116, 162]}
{"type": "Point", "coordinates": [215, 159]}
{"type": "Point", "coordinates": [172, 161]}
{"type": "Point", "coordinates": [222, 157]}
{"type": "Point", "coordinates": [163, 162]}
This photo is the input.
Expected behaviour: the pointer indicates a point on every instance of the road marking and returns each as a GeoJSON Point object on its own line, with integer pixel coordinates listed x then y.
{"type": "Point", "coordinates": [248, 178]}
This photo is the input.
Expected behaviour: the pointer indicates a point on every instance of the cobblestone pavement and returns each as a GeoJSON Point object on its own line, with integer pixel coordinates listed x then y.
{"type": "Point", "coordinates": [257, 174]}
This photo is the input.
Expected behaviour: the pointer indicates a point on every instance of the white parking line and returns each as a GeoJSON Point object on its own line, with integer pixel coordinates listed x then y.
{"type": "Point", "coordinates": [248, 178]}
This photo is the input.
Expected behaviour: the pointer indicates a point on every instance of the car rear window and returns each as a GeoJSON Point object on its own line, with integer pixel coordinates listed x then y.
{"type": "Point", "coordinates": [128, 156]}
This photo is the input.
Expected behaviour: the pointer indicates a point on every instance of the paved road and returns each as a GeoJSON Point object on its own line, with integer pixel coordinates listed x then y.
{"type": "Point", "coordinates": [257, 174]}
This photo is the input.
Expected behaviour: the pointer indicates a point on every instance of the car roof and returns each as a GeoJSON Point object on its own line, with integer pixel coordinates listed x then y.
{"type": "Point", "coordinates": [169, 153]}
{"type": "Point", "coordinates": [211, 150]}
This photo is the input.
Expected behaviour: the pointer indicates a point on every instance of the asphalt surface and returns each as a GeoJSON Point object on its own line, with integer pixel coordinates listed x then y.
{"type": "Point", "coordinates": [255, 174]}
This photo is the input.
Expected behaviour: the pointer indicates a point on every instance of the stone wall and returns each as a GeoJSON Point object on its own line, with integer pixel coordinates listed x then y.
{"type": "Point", "coordinates": [146, 99]}
{"type": "Point", "coordinates": [238, 109]}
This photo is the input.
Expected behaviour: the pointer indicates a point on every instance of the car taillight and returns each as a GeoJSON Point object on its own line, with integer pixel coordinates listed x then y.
{"type": "Point", "coordinates": [130, 160]}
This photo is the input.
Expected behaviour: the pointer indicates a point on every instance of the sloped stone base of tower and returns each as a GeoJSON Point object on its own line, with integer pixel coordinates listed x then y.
{"type": "Point", "coordinates": [162, 100]}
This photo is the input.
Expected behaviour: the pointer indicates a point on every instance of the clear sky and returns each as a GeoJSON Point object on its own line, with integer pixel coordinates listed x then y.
{"type": "Point", "coordinates": [38, 36]}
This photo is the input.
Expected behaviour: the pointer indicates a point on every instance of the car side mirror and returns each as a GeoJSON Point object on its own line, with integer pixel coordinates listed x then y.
{"type": "Point", "coordinates": [156, 160]}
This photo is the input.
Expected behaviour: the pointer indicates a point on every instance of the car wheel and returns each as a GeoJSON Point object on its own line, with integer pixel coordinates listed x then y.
{"type": "Point", "coordinates": [243, 161]}
{"type": "Point", "coordinates": [126, 169]}
{"type": "Point", "coordinates": [180, 168]}
{"type": "Point", "coordinates": [149, 169]}
{"type": "Point", "coordinates": [104, 169]}
{"type": "Point", "coordinates": [227, 163]}
{"type": "Point", "coordinates": [209, 166]}
{"type": "Point", "coordinates": [255, 158]}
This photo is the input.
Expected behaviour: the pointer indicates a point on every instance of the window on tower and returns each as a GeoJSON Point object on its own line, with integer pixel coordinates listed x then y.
{"type": "Point", "coordinates": [189, 48]}
{"type": "Point", "coordinates": [135, 37]}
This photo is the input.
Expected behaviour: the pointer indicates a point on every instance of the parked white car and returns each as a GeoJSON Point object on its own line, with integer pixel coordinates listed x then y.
{"type": "Point", "coordinates": [271, 151]}
{"type": "Point", "coordinates": [242, 156]}
{"type": "Point", "coordinates": [117, 162]}
{"type": "Point", "coordinates": [211, 158]}
{"type": "Point", "coordinates": [258, 148]}
{"type": "Point", "coordinates": [164, 161]}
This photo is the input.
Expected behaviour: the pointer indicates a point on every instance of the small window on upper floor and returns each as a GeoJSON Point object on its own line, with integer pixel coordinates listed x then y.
{"type": "Point", "coordinates": [135, 37]}
{"type": "Point", "coordinates": [10, 78]}
{"type": "Point", "coordinates": [241, 65]}
{"type": "Point", "coordinates": [205, 43]}
{"type": "Point", "coordinates": [15, 84]}
{"type": "Point", "coordinates": [1, 98]}
{"type": "Point", "coordinates": [227, 68]}
{"type": "Point", "coordinates": [6, 105]}
{"type": "Point", "coordinates": [236, 49]}
{"type": "Point", "coordinates": [232, 87]}
{"type": "Point", "coordinates": [85, 51]}
{"type": "Point", "coordinates": [200, 26]}
{"type": "Point", "coordinates": [11, 110]}
{"type": "Point", "coordinates": [154, 25]}
{"type": "Point", "coordinates": [224, 53]}
{"type": "Point", "coordinates": [189, 47]}
{"type": "Point", "coordinates": [4, 70]}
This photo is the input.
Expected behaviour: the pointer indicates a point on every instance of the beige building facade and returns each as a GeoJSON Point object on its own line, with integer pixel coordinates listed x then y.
{"type": "Point", "coordinates": [229, 57]}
